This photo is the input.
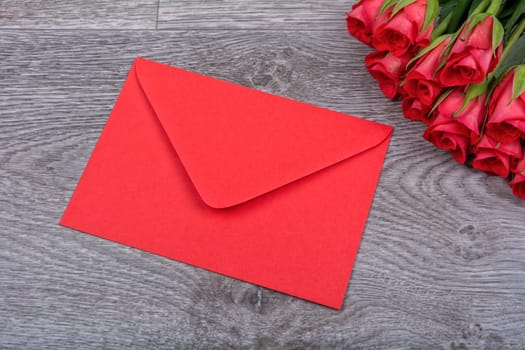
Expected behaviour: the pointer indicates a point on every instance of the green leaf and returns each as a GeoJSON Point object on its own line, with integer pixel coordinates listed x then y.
{"type": "Point", "coordinates": [505, 15]}
{"type": "Point", "coordinates": [474, 5]}
{"type": "Point", "coordinates": [507, 11]}
{"type": "Point", "coordinates": [476, 90]}
{"type": "Point", "coordinates": [519, 10]}
{"type": "Point", "coordinates": [474, 20]}
{"type": "Point", "coordinates": [446, 52]}
{"type": "Point", "coordinates": [478, 7]}
{"type": "Point", "coordinates": [443, 57]}
{"type": "Point", "coordinates": [519, 81]}
{"type": "Point", "coordinates": [435, 43]}
{"type": "Point", "coordinates": [459, 14]}
{"type": "Point", "coordinates": [497, 34]}
{"type": "Point", "coordinates": [494, 7]}
{"type": "Point", "coordinates": [430, 13]}
{"type": "Point", "coordinates": [441, 27]}
{"type": "Point", "coordinates": [473, 91]}
{"type": "Point", "coordinates": [440, 99]}
{"type": "Point", "coordinates": [401, 4]}
{"type": "Point", "coordinates": [445, 2]}
{"type": "Point", "coordinates": [386, 5]}
{"type": "Point", "coordinates": [446, 10]}
{"type": "Point", "coordinates": [513, 58]}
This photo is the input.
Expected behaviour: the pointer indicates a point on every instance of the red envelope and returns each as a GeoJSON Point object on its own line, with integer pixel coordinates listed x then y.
{"type": "Point", "coordinates": [234, 180]}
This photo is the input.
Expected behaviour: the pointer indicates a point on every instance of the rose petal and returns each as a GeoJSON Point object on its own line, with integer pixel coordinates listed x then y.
{"type": "Point", "coordinates": [518, 186]}
{"type": "Point", "coordinates": [449, 137]}
{"type": "Point", "coordinates": [481, 35]}
{"type": "Point", "coordinates": [519, 166]}
{"type": "Point", "coordinates": [461, 71]}
{"type": "Point", "coordinates": [492, 162]}
{"type": "Point", "coordinates": [413, 109]}
{"type": "Point", "coordinates": [503, 132]}
{"type": "Point", "coordinates": [396, 36]}
{"type": "Point", "coordinates": [506, 115]}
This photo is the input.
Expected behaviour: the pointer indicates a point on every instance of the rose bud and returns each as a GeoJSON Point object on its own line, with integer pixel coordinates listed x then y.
{"type": "Point", "coordinates": [420, 80]}
{"type": "Point", "coordinates": [495, 158]}
{"type": "Point", "coordinates": [506, 121]}
{"type": "Point", "coordinates": [518, 182]}
{"type": "Point", "coordinates": [360, 20]}
{"type": "Point", "coordinates": [413, 109]}
{"type": "Point", "coordinates": [472, 55]}
{"type": "Point", "coordinates": [453, 130]}
{"type": "Point", "coordinates": [403, 32]}
{"type": "Point", "coordinates": [387, 70]}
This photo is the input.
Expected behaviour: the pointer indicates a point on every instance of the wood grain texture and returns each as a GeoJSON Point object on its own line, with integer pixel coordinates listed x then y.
{"type": "Point", "coordinates": [253, 14]}
{"type": "Point", "coordinates": [441, 264]}
{"type": "Point", "coordinates": [92, 14]}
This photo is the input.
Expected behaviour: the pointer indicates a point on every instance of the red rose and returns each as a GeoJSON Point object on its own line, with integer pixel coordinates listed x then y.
{"type": "Point", "coordinates": [472, 56]}
{"type": "Point", "coordinates": [495, 158]}
{"type": "Point", "coordinates": [413, 109]}
{"type": "Point", "coordinates": [518, 183]}
{"type": "Point", "coordinates": [387, 70]}
{"type": "Point", "coordinates": [456, 132]}
{"type": "Point", "coordinates": [420, 80]}
{"type": "Point", "coordinates": [402, 32]}
{"type": "Point", "coordinates": [360, 21]}
{"type": "Point", "coordinates": [506, 115]}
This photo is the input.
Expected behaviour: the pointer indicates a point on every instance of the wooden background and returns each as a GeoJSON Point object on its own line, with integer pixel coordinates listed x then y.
{"type": "Point", "coordinates": [442, 261]}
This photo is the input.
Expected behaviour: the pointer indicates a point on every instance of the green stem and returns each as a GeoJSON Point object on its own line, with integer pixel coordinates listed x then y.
{"type": "Point", "coordinates": [461, 7]}
{"type": "Point", "coordinates": [512, 39]}
{"type": "Point", "coordinates": [494, 7]}
{"type": "Point", "coordinates": [482, 6]}
{"type": "Point", "coordinates": [442, 27]}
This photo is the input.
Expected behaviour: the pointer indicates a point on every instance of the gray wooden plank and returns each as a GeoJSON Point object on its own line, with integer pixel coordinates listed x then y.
{"type": "Point", "coordinates": [253, 14]}
{"type": "Point", "coordinates": [86, 14]}
{"type": "Point", "coordinates": [441, 262]}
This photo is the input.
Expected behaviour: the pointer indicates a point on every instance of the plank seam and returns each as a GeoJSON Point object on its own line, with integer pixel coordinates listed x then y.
{"type": "Point", "coordinates": [157, 18]}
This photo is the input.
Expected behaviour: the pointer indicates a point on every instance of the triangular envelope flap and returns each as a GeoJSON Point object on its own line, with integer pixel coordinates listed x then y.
{"type": "Point", "coordinates": [238, 143]}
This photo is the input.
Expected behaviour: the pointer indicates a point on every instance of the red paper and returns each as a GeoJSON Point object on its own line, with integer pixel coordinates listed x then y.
{"type": "Point", "coordinates": [237, 181]}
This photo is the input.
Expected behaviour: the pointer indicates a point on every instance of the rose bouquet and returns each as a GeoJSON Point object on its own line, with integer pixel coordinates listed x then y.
{"type": "Point", "coordinates": [459, 67]}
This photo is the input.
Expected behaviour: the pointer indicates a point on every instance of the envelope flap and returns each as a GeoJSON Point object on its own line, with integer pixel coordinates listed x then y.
{"type": "Point", "coordinates": [238, 143]}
